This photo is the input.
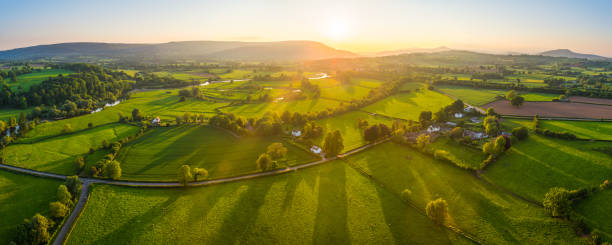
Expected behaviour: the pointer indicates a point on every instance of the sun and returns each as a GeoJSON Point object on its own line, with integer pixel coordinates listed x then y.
{"type": "Point", "coordinates": [337, 30]}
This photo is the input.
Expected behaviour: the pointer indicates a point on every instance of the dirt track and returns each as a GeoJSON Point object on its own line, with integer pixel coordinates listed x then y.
{"type": "Point", "coordinates": [553, 109]}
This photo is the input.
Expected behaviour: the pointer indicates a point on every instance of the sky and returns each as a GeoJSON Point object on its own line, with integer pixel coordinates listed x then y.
{"type": "Point", "coordinates": [359, 26]}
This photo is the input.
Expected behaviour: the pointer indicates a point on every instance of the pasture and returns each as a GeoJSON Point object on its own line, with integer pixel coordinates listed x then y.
{"type": "Point", "coordinates": [159, 153]}
{"type": "Point", "coordinates": [57, 154]}
{"type": "Point", "coordinates": [344, 92]}
{"type": "Point", "coordinates": [21, 198]}
{"type": "Point", "coordinates": [347, 123]}
{"type": "Point", "coordinates": [465, 156]}
{"type": "Point", "coordinates": [582, 129]}
{"type": "Point", "coordinates": [36, 77]}
{"type": "Point", "coordinates": [597, 211]}
{"type": "Point", "coordinates": [474, 206]}
{"type": "Point", "coordinates": [533, 166]}
{"type": "Point", "coordinates": [329, 204]}
{"type": "Point", "coordinates": [302, 106]}
{"type": "Point", "coordinates": [151, 103]}
{"type": "Point", "coordinates": [408, 106]}
{"type": "Point", "coordinates": [479, 97]}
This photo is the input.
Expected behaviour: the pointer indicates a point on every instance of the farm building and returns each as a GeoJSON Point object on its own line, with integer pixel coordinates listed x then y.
{"type": "Point", "coordinates": [475, 135]}
{"type": "Point", "coordinates": [433, 128]}
{"type": "Point", "coordinates": [458, 115]}
{"type": "Point", "coordinates": [155, 121]}
{"type": "Point", "coordinates": [296, 133]}
{"type": "Point", "coordinates": [468, 109]}
{"type": "Point", "coordinates": [475, 120]}
{"type": "Point", "coordinates": [315, 149]}
{"type": "Point", "coordinates": [451, 123]}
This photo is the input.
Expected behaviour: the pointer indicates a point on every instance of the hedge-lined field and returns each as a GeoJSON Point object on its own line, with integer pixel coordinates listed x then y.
{"type": "Point", "coordinates": [533, 166]}
{"type": "Point", "coordinates": [58, 154]}
{"type": "Point", "coordinates": [158, 154]}
{"type": "Point", "coordinates": [27, 80]}
{"type": "Point", "coordinates": [21, 198]}
{"type": "Point", "coordinates": [328, 204]}
{"type": "Point", "coordinates": [347, 123]}
{"type": "Point", "coordinates": [474, 206]}
{"type": "Point", "coordinates": [582, 129]}
{"type": "Point", "coordinates": [302, 106]}
{"type": "Point", "coordinates": [409, 105]}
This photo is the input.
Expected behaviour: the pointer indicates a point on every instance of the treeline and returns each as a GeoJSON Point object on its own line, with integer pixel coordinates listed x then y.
{"type": "Point", "coordinates": [588, 92]}
{"type": "Point", "coordinates": [14, 72]}
{"type": "Point", "coordinates": [69, 95]}
{"type": "Point", "coordinates": [150, 80]}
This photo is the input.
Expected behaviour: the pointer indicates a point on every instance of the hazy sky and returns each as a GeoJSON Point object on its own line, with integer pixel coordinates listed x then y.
{"type": "Point", "coordinates": [360, 26]}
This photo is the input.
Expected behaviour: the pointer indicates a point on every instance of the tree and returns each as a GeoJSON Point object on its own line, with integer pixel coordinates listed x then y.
{"type": "Point", "coordinates": [437, 210]}
{"type": "Point", "coordinates": [456, 133]}
{"type": "Point", "coordinates": [184, 175]}
{"type": "Point", "coordinates": [35, 230]}
{"type": "Point", "coordinates": [500, 144]}
{"type": "Point", "coordinates": [491, 112]}
{"type": "Point", "coordinates": [536, 122]}
{"type": "Point", "coordinates": [64, 196]}
{"type": "Point", "coordinates": [333, 143]}
{"type": "Point", "coordinates": [264, 161]}
{"type": "Point", "coordinates": [277, 151]}
{"type": "Point", "coordinates": [517, 101]}
{"type": "Point", "coordinates": [286, 117]}
{"type": "Point", "coordinates": [67, 129]}
{"type": "Point", "coordinates": [422, 141]}
{"type": "Point", "coordinates": [2, 126]}
{"type": "Point", "coordinates": [58, 210]}
{"type": "Point", "coordinates": [74, 185]}
{"type": "Point", "coordinates": [510, 95]}
{"type": "Point", "coordinates": [557, 202]}
{"type": "Point", "coordinates": [6, 140]}
{"type": "Point", "coordinates": [80, 163]}
{"type": "Point", "coordinates": [425, 117]}
{"type": "Point", "coordinates": [371, 133]}
{"type": "Point", "coordinates": [197, 172]}
{"type": "Point", "coordinates": [136, 116]}
{"type": "Point", "coordinates": [520, 133]}
{"type": "Point", "coordinates": [113, 170]}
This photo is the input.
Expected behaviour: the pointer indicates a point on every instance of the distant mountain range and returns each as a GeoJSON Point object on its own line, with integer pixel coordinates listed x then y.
{"type": "Point", "coordinates": [200, 50]}
{"type": "Point", "coordinates": [406, 51]}
{"type": "Point", "coordinates": [570, 54]}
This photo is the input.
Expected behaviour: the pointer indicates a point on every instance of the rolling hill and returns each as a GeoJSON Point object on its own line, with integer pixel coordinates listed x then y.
{"type": "Point", "coordinates": [200, 50]}
{"type": "Point", "coordinates": [570, 54]}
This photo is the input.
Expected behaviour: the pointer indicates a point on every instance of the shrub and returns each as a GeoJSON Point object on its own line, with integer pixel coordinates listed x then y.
{"type": "Point", "coordinates": [406, 193]}
{"type": "Point", "coordinates": [67, 129]}
{"type": "Point", "coordinates": [79, 163]}
{"type": "Point", "coordinates": [456, 133]}
{"type": "Point", "coordinates": [184, 175]}
{"type": "Point", "coordinates": [63, 195]}
{"type": "Point", "coordinates": [437, 210]}
{"type": "Point", "coordinates": [58, 210]}
{"type": "Point", "coordinates": [264, 162]}
{"type": "Point", "coordinates": [520, 132]}
{"type": "Point", "coordinates": [557, 202]}
{"type": "Point", "coordinates": [277, 151]}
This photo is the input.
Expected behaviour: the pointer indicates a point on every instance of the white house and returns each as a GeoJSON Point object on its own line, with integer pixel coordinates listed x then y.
{"type": "Point", "coordinates": [458, 115]}
{"type": "Point", "coordinates": [155, 121]}
{"type": "Point", "coordinates": [433, 128]}
{"type": "Point", "coordinates": [315, 149]}
{"type": "Point", "coordinates": [468, 109]}
{"type": "Point", "coordinates": [296, 133]}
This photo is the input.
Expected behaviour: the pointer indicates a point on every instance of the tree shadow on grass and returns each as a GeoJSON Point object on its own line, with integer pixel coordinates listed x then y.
{"type": "Point", "coordinates": [139, 225]}
{"type": "Point", "coordinates": [331, 226]}
{"type": "Point", "coordinates": [241, 219]}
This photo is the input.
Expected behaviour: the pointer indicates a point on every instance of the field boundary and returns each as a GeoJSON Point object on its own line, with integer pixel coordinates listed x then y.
{"type": "Point", "coordinates": [586, 119]}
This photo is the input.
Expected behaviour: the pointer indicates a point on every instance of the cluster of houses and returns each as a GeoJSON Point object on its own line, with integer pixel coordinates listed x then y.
{"type": "Point", "coordinates": [314, 149]}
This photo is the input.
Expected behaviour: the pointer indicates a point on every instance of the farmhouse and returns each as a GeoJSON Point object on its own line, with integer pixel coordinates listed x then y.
{"type": "Point", "coordinates": [315, 149]}
{"type": "Point", "coordinates": [155, 121]}
{"type": "Point", "coordinates": [468, 109]}
{"type": "Point", "coordinates": [458, 115]}
{"type": "Point", "coordinates": [433, 128]}
{"type": "Point", "coordinates": [296, 133]}
{"type": "Point", "coordinates": [475, 135]}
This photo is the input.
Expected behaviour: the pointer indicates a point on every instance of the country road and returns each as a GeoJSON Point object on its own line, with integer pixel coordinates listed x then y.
{"type": "Point", "coordinates": [61, 236]}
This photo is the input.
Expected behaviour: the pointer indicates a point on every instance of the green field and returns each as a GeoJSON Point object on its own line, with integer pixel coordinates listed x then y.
{"type": "Point", "coordinates": [159, 153]}
{"type": "Point", "coordinates": [7, 113]}
{"type": "Point", "coordinates": [411, 86]}
{"type": "Point", "coordinates": [582, 129]}
{"type": "Point", "coordinates": [367, 82]}
{"type": "Point", "coordinates": [348, 125]}
{"type": "Point", "coordinates": [345, 92]}
{"type": "Point", "coordinates": [409, 105]}
{"type": "Point", "coordinates": [478, 97]}
{"type": "Point", "coordinates": [465, 156]}
{"type": "Point", "coordinates": [597, 211]}
{"type": "Point", "coordinates": [27, 80]}
{"type": "Point", "coordinates": [531, 167]}
{"type": "Point", "coordinates": [302, 106]}
{"type": "Point", "coordinates": [474, 206]}
{"type": "Point", "coordinates": [57, 154]}
{"type": "Point", "coordinates": [152, 104]}
{"type": "Point", "coordinates": [21, 198]}
{"type": "Point", "coordinates": [330, 204]}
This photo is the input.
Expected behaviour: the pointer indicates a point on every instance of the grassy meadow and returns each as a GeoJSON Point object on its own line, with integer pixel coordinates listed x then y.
{"type": "Point", "coordinates": [329, 204]}
{"type": "Point", "coordinates": [409, 105]}
{"type": "Point", "coordinates": [160, 152]}
{"type": "Point", "coordinates": [302, 106]}
{"type": "Point", "coordinates": [478, 96]}
{"type": "Point", "coordinates": [597, 211]}
{"type": "Point", "coordinates": [21, 198]}
{"type": "Point", "coordinates": [36, 77]}
{"type": "Point", "coordinates": [347, 123]}
{"type": "Point", "coordinates": [474, 206]}
{"type": "Point", "coordinates": [533, 166]}
{"type": "Point", "coordinates": [57, 154]}
{"type": "Point", "coordinates": [466, 156]}
{"type": "Point", "coordinates": [582, 129]}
